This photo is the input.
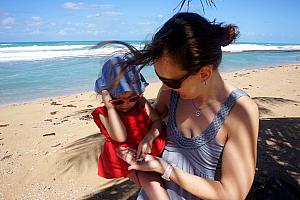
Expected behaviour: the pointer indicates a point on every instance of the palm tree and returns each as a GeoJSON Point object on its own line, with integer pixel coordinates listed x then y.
{"type": "Point", "coordinates": [210, 3]}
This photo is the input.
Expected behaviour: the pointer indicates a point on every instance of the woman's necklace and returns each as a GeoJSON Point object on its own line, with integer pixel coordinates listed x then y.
{"type": "Point", "coordinates": [198, 111]}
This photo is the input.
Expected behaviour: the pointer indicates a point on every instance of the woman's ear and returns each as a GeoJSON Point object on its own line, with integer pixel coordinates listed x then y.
{"type": "Point", "coordinates": [206, 72]}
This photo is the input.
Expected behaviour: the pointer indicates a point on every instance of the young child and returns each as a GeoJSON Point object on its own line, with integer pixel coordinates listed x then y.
{"type": "Point", "coordinates": [127, 120]}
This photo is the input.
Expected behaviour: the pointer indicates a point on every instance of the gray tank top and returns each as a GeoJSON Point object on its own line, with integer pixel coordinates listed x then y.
{"type": "Point", "coordinates": [200, 155]}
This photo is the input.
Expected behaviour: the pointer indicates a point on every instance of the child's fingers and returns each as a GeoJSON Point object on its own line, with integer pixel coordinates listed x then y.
{"type": "Point", "coordinates": [127, 154]}
{"type": "Point", "coordinates": [123, 148]}
{"type": "Point", "coordinates": [131, 150]}
{"type": "Point", "coordinates": [139, 151]}
{"type": "Point", "coordinates": [143, 150]}
{"type": "Point", "coordinates": [144, 164]}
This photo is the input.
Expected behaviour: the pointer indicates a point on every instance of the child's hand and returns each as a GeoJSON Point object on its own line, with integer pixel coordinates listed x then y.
{"type": "Point", "coordinates": [106, 99]}
{"type": "Point", "coordinates": [127, 154]}
{"type": "Point", "coordinates": [145, 146]}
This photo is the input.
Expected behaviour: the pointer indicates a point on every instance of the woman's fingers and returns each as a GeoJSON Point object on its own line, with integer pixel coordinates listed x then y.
{"type": "Point", "coordinates": [135, 167]}
{"type": "Point", "coordinates": [149, 163]}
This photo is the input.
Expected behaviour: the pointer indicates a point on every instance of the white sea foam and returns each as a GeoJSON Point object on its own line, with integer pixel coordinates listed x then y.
{"type": "Point", "coordinates": [41, 52]}
{"type": "Point", "coordinates": [5, 44]}
{"type": "Point", "coordinates": [259, 47]}
{"type": "Point", "coordinates": [35, 48]}
{"type": "Point", "coordinates": [36, 53]}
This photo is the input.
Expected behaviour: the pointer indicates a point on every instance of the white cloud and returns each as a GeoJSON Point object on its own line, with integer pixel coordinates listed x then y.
{"type": "Point", "coordinates": [62, 32]}
{"type": "Point", "coordinates": [73, 6]}
{"type": "Point", "coordinates": [81, 24]}
{"type": "Point", "coordinates": [94, 32]}
{"type": "Point", "coordinates": [36, 32]}
{"type": "Point", "coordinates": [52, 24]}
{"type": "Point", "coordinates": [35, 21]}
{"type": "Point", "coordinates": [8, 21]}
{"type": "Point", "coordinates": [160, 16]}
{"type": "Point", "coordinates": [81, 5]}
{"type": "Point", "coordinates": [144, 23]}
{"type": "Point", "coordinates": [93, 16]}
{"type": "Point", "coordinates": [249, 34]}
{"type": "Point", "coordinates": [110, 13]}
{"type": "Point", "coordinates": [91, 25]}
{"type": "Point", "coordinates": [106, 14]}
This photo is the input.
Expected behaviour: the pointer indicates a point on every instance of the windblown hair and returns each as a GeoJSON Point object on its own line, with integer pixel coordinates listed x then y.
{"type": "Point", "coordinates": [188, 38]}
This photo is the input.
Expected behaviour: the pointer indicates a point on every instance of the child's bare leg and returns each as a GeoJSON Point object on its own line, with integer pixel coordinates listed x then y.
{"type": "Point", "coordinates": [150, 181]}
{"type": "Point", "coordinates": [152, 185]}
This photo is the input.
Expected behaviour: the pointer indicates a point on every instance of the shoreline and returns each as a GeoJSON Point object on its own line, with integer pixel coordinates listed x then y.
{"type": "Point", "coordinates": [49, 147]}
{"type": "Point", "coordinates": [150, 83]}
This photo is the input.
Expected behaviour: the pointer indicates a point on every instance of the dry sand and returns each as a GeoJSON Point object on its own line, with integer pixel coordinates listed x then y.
{"type": "Point", "coordinates": [49, 148]}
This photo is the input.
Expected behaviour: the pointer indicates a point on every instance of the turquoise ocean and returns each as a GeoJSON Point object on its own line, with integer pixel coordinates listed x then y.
{"type": "Point", "coordinates": [34, 70]}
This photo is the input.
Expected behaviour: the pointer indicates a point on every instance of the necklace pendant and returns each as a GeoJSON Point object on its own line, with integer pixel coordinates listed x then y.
{"type": "Point", "coordinates": [198, 113]}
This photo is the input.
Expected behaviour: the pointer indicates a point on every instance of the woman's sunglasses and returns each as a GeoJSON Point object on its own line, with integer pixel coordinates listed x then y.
{"type": "Point", "coordinates": [174, 84]}
{"type": "Point", "coordinates": [131, 99]}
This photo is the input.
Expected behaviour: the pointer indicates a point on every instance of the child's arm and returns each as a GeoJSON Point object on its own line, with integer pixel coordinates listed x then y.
{"type": "Point", "coordinates": [112, 122]}
{"type": "Point", "coordinates": [145, 145]}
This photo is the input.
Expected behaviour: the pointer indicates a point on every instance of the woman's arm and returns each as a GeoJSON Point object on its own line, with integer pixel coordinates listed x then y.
{"type": "Point", "coordinates": [238, 160]}
{"type": "Point", "coordinates": [112, 122]}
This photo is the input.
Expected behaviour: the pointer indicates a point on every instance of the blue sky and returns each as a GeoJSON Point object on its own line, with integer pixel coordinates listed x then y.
{"type": "Point", "coordinates": [84, 20]}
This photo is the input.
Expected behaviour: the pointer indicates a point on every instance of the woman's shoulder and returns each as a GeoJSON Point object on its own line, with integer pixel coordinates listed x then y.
{"type": "Point", "coordinates": [245, 105]}
{"type": "Point", "coordinates": [244, 115]}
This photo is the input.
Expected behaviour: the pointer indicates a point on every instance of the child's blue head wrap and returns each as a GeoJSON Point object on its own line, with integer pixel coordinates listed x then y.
{"type": "Point", "coordinates": [131, 80]}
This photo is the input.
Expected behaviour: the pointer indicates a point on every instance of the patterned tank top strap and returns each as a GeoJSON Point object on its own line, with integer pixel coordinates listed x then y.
{"type": "Point", "coordinates": [224, 111]}
{"type": "Point", "coordinates": [211, 130]}
{"type": "Point", "coordinates": [173, 101]}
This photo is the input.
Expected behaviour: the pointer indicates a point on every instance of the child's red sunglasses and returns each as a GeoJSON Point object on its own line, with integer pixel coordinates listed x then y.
{"type": "Point", "coordinates": [129, 100]}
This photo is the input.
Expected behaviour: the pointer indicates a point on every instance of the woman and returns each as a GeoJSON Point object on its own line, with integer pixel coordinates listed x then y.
{"type": "Point", "coordinates": [212, 126]}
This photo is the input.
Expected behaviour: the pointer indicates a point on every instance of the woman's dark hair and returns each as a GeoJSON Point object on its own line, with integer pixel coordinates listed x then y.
{"type": "Point", "coordinates": [189, 38]}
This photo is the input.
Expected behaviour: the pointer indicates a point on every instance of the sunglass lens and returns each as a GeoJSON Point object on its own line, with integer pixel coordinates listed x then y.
{"type": "Point", "coordinates": [134, 99]}
{"type": "Point", "coordinates": [117, 102]}
{"type": "Point", "coordinates": [174, 84]}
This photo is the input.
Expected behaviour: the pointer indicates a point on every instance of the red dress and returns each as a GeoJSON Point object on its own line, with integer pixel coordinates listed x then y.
{"type": "Point", "coordinates": [137, 123]}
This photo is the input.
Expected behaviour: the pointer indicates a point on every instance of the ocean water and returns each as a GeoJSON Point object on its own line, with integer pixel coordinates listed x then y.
{"type": "Point", "coordinates": [33, 70]}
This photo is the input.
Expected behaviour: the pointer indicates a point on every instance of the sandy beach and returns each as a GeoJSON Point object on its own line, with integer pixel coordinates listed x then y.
{"type": "Point", "coordinates": [49, 148]}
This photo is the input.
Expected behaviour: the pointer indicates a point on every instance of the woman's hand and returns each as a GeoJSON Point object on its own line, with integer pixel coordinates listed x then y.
{"type": "Point", "coordinates": [146, 163]}
{"type": "Point", "coordinates": [106, 99]}
{"type": "Point", "coordinates": [150, 163]}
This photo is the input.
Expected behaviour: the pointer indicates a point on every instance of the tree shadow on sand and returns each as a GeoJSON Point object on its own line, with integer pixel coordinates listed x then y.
{"type": "Point", "coordinates": [264, 102]}
{"type": "Point", "coordinates": [278, 154]}
{"type": "Point", "coordinates": [126, 190]}
{"type": "Point", "coordinates": [278, 146]}
{"type": "Point", "coordinates": [81, 153]}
